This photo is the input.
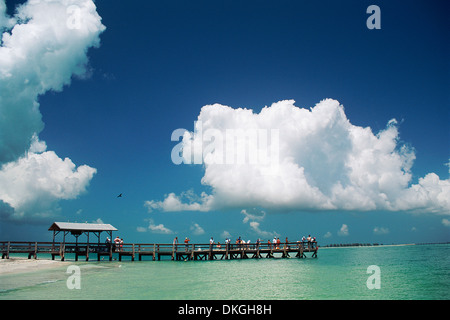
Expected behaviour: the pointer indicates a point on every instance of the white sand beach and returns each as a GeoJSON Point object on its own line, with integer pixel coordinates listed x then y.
{"type": "Point", "coordinates": [19, 265]}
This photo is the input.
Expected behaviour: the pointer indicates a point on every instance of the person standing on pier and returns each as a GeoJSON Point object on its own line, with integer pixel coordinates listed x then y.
{"type": "Point", "coordinates": [186, 242]}
{"type": "Point", "coordinates": [117, 244]}
{"type": "Point", "coordinates": [108, 244]}
{"type": "Point", "coordinates": [175, 243]}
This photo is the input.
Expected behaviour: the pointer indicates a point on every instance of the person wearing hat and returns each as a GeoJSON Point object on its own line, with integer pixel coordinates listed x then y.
{"type": "Point", "coordinates": [186, 242]}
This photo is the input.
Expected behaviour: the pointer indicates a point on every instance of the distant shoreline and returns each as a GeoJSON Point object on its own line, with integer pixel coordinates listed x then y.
{"type": "Point", "coordinates": [375, 245]}
{"type": "Point", "coordinates": [366, 246]}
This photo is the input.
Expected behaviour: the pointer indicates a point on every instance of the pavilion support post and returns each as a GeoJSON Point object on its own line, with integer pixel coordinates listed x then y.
{"type": "Point", "coordinates": [54, 250]}
{"type": "Point", "coordinates": [63, 246]}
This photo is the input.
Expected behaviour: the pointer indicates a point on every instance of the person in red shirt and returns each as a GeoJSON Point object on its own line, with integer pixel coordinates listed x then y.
{"type": "Point", "coordinates": [186, 242]}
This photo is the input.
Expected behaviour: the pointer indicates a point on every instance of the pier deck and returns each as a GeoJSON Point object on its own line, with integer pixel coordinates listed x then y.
{"type": "Point", "coordinates": [178, 252]}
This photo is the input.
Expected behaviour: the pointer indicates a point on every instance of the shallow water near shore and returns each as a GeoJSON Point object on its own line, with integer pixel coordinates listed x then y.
{"type": "Point", "coordinates": [406, 272]}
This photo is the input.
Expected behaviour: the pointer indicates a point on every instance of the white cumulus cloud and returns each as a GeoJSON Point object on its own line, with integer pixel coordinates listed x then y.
{"type": "Point", "coordinates": [255, 217]}
{"type": "Point", "coordinates": [446, 222]}
{"type": "Point", "coordinates": [175, 203]}
{"type": "Point", "coordinates": [343, 231]}
{"type": "Point", "coordinates": [302, 159]}
{"type": "Point", "coordinates": [158, 228]}
{"type": "Point", "coordinates": [197, 229]}
{"type": "Point", "coordinates": [32, 185]}
{"type": "Point", "coordinates": [42, 47]}
{"type": "Point", "coordinates": [155, 228]}
{"type": "Point", "coordinates": [380, 230]}
{"type": "Point", "coordinates": [41, 51]}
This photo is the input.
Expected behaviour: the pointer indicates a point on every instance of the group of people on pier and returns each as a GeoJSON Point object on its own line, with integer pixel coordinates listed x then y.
{"type": "Point", "coordinates": [117, 245]}
{"type": "Point", "coordinates": [242, 244]}
{"type": "Point", "coordinates": [276, 244]}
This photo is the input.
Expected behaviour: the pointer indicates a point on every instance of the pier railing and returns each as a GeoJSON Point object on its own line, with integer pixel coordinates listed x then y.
{"type": "Point", "coordinates": [178, 251]}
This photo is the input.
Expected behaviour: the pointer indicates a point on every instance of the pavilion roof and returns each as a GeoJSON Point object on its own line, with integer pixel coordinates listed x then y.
{"type": "Point", "coordinates": [75, 226]}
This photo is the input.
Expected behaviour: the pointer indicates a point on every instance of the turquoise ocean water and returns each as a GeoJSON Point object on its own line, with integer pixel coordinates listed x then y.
{"type": "Point", "coordinates": [406, 272]}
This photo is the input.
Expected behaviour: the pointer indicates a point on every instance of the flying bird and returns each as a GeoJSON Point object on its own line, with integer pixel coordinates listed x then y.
{"type": "Point", "coordinates": [119, 196]}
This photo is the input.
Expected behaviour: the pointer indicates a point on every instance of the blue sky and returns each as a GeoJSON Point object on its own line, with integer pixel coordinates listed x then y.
{"type": "Point", "coordinates": [158, 63]}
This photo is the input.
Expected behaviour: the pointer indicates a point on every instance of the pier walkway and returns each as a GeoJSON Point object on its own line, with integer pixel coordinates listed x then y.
{"type": "Point", "coordinates": [178, 252]}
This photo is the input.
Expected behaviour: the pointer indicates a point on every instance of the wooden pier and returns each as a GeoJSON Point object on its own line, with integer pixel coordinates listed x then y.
{"type": "Point", "coordinates": [177, 252]}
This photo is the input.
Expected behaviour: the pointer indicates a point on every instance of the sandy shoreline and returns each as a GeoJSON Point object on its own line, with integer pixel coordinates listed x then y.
{"type": "Point", "coordinates": [20, 265]}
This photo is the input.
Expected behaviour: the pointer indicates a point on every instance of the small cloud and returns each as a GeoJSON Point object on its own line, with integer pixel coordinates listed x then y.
{"type": "Point", "coordinates": [109, 76]}
{"type": "Point", "coordinates": [141, 229]}
{"type": "Point", "coordinates": [446, 222]}
{"type": "Point", "coordinates": [197, 230]}
{"type": "Point", "coordinates": [99, 221]}
{"type": "Point", "coordinates": [343, 232]}
{"type": "Point", "coordinates": [186, 202]}
{"type": "Point", "coordinates": [448, 165]}
{"type": "Point", "coordinates": [327, 235]}
{"type": "Point", "coordinates": [266, 234]}
{"type": "Point", "coordinates": [380, 230]}
{"type": "Point", "coordinates": [253, 215]}
{"type": "Point", "coordinates": [413, 229]}
{"type": "Point", "coordinates": [226, 234]}
{"type": "Point", "coordinates": [160, 228]}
